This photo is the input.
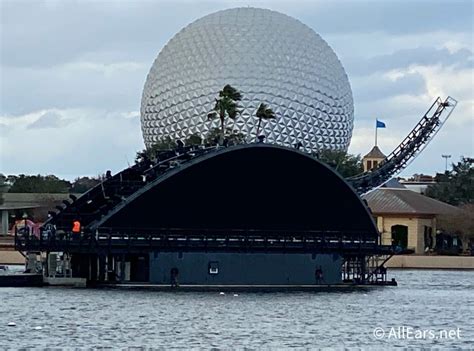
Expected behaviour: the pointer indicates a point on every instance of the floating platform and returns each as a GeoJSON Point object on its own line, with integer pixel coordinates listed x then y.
{"type": "Point", "coordinates": [248, 288]}
{"type": "Point", "coordinates": [62, 281]}
{"type": "Point", "coordinates": [21, 280]}
{"type": "Point", "coordinates": [275, 242]}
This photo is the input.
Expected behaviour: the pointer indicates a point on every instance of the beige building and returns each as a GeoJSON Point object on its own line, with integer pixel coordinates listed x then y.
{"type": "Point", "coordinates": [406, 218]}
{"type": "Point", "coordinates": [373, 159]}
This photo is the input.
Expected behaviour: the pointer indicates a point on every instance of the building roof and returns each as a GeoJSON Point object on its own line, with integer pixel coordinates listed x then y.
{"type": "Point", "coordinates": [16, 201]}
{"type": "Point", "coordinates": [393, 183]}
{"type": "Point", "coordinates": [404, 201]}
{"type": "Point", "coordinates": [375, 153]}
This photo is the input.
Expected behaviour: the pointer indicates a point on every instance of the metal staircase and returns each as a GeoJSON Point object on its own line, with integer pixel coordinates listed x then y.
{"type": "Point", "coordinates": [408, 149]}
{"type": "Point", "coordinates": [366, 269]}
{"type": "Point", "coordinates": [99, 200]}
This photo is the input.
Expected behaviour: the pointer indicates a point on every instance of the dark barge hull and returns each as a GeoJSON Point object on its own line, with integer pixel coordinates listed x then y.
{"type": "Point", "coordinates": [258, 288]}
{"type": "Point", "coordinates": [21, 280]}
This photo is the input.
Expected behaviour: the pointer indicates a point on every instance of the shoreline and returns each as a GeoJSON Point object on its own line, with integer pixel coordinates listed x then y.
{"type": "Point", "coordinates": [431, 262]}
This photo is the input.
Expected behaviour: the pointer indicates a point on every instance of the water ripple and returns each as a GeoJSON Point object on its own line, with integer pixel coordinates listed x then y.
{"type": "Point", "coordinates": [115, 318]}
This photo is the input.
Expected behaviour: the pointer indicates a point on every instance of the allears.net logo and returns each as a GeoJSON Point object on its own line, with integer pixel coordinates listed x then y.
{"type": "Point", "coordinates": [411, 333]}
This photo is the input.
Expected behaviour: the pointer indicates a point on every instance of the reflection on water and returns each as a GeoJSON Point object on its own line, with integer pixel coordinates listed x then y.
{"type": "Point", "coordinates": [58, 317]}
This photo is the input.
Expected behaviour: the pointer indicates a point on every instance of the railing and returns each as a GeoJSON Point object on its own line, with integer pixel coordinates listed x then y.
{"type": "Point", "coordinates": [368, 269]}
{"type": "Point", "coordinates": [199, 240]}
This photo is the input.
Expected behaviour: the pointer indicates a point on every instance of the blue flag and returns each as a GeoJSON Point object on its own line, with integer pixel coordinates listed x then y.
{"type": "Point", "coordinates": [380, 124]}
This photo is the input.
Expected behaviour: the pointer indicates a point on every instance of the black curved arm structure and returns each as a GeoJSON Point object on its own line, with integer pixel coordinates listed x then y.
{"type": "Point", "coordinates": [253, 187]}
{"type": "Point", "coordinates": [99, 201]}
{"type": "Point", "coordinates": [249, 197]}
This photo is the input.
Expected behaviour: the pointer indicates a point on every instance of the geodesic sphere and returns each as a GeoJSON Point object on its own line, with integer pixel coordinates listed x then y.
{"type": "Point", "coordinates": [269, 57]}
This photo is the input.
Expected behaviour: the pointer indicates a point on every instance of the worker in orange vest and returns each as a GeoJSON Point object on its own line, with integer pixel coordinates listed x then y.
{"type": "Point", "coordinates": [76, 227]}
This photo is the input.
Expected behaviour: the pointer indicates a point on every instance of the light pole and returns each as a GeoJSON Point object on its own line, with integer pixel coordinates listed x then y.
{"type": "Point", "coordinates": [446, 158]}
{"type": "Point", "coordinates": [26, 231]}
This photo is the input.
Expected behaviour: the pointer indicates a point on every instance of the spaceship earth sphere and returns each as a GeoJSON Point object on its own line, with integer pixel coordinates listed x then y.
{"type": "Point", "coordinates": [269, 57]}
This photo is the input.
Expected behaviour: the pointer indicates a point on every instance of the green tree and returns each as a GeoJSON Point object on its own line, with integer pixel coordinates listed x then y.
{"type": "Point", "coordinates": [166, 143]}
{"type": "Point", "coordinates": [233, 136]}
{"type": "Point", "coordinates": [83, 184]}
{"type": "Point", "coordinates": [39, 184]}
{"type": "Point", "coordinates": [345, 164]}
{"type": "Point", "coordinates": [151, 152]}
{"type": "Point", "coordinates": [213, 136]}
{"type": "Point", "coordinates": [264, 112]}
{"type": "Point", "coordinates": [11, 179]}
{"type": "Point", "coordinates": [193, 139]}
{"type": "Point", "coordinates": [459, 223]}
{"type": "Point", "coordinates": [226, 106]}
{"type": "Point", "coordinates": [456, 187]}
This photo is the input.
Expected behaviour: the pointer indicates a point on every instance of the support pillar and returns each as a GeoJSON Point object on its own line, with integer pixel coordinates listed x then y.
{"type": "Point", "coordinates": [122, 268]}
{"type": "Point", "coordinates": [111, 268]}
{"type": "Point", "coordinates": [102, 267]}
{"type": "Point", "coordinates": [46, 265]}
{"type": "Point", "coordinates": [4, 222]}
{"type": "Point", "coordinates": [93, 268]}
{"type": "Point", "coordinates": [363, 269]}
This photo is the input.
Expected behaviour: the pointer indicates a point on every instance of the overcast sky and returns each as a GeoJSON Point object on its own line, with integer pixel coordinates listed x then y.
{"type": "Point", "coordinates": [72, 74]}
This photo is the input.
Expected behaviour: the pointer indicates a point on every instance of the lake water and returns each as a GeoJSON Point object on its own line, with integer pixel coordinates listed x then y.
{"type": "Point", "coordinates": [435, 303]}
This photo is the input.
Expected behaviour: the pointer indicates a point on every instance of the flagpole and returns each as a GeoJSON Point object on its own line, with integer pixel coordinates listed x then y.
{"type": "Point", "coordinates": [375, 132]}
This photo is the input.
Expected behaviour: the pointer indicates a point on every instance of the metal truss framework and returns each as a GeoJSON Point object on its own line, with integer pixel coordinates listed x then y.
{"type": "Point", "coordinates": [408, 149]}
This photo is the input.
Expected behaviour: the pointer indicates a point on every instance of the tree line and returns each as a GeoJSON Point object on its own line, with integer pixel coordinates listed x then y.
{"type": "Point", "coordinates": [345, 164]}
{"type": "Point", "coordinates": [456, 186]}
{"type": "Point", "coordinates": [46, 184]}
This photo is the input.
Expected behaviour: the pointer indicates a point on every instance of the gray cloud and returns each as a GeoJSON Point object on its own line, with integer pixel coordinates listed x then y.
{"type": "Point", "coordinates": [75, 85]}
{"type": "Point", "coordinates": [4, 129]}
{"type": "Point", "coordinates": [395, 17]}
{"type": "Point", "coordinates": [88, 61]}
{"type": "Point", "coordinates": [376, 87]}
{"type": "Point", "coordinates": [424, 56]}
{"type": "Point", "coordinates": [49, 120]}
{"type": "Point", "coordinates": [63, 31]}
{"type": "Point", "coordinates": [403, 110]}
{"type": "Point", "coordinates": [98, 140]}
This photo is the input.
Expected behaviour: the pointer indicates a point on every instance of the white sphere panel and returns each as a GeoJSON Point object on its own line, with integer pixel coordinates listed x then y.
{"type": "Point", "coordinates": [269, 57]}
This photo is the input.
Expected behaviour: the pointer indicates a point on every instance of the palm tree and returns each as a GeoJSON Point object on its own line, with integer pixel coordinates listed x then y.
{"type": "Point", "coordinates": [226, 105]}
{"type": "Point", "coordinates": [231, 92]}
{"type": "Point", "coordinates": [264, 112]}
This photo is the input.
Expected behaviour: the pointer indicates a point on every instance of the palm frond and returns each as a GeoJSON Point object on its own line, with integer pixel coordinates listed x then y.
{"type": "Point", "coordinates": [261, 110]}
{"type": "Point", "coordinates": [212, 115]}
{"type": "Point", "coordinates": [230, 92]}
{"type": "Point", "coordinates": [232, 111]}
{"type": "Point", "coordinates": [265, 112]}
